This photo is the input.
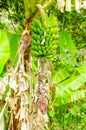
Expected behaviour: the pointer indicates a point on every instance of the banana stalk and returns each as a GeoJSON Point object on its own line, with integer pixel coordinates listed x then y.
{"type": "Point", "coordinates": [27, 8]}
{"type": "Point", "coordinates": [42, 12]}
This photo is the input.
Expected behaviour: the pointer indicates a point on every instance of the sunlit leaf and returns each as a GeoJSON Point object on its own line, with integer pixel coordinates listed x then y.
{"type": "Point", "coordinates": [82, 68]}
{"type": "Point", "coordinates": [4, 49]}
{"type": "Point", "coordinates": [52, 113]}
{"type": "Point", "coordinates": [60, 75]}
{"type": "Point", "coordinates": [70, 97]}
{"type": "Point", "coordinates": [71, 84]}
{"type": "Point", "coordinates": [13, 40]}
{"type": "Point", "coordinates": [67, 50]}
{"type": "Point", "coordinates": [66, 44]}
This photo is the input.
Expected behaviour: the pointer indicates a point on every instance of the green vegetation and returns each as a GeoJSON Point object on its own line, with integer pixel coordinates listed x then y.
{"type": "Point", "coordinates": [42, 66]}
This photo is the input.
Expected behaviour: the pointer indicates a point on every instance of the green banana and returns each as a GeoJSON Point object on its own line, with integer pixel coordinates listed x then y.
{"type": "Point", "coordinates": [33, 29]}
{"type": "Point", "coordinates": [36, 37]}
{"type": "Point", "coordinates": [44, 38]}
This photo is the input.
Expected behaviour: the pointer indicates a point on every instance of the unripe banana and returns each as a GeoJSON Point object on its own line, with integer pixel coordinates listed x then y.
{"type": "Point", "coordinates": [35, 48]}
{"type": "Point", "coordinates": [45, 37]}
{"type": "Point", "coordinates": [33, 29]}
{"type": "Point", "coordinates": [35, 53]}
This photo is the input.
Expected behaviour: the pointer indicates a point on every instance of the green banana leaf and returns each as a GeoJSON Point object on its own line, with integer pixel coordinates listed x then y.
{"type": "Point", "coordinates": [13, 40]}
{"type": "Point", "coordinates": [82, 69]}
{"type": "Point", "coordinates": [4, 49]}
{"type": "Point", "coordinates": [60, 75]}
{"type": "Point", "coordinates": [71, 84]}
{"type": "Point", "coordinates": [68, 98]}
{"type": "Point", "coordinates": [71, 89]}
{"type": "Point", "coordinates": [67, 50]}
{"type": "Point", "coordinates": [66, 44]}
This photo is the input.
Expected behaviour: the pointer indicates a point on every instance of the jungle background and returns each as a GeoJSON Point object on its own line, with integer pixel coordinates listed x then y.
{"type": "Point", "coordinates": [43, 65]}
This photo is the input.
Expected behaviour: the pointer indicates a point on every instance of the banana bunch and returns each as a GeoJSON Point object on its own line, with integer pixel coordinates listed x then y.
{"type": "Point", "coordinates": [44, 37]}
{"type": "Point", "coordinates": [57, 62]}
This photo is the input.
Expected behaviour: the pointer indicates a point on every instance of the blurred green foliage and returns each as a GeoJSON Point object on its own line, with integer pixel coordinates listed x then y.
{"type": "Point", "coordinates": [68, 117]}
{"type": "Point", "coordinates": [75, 24]}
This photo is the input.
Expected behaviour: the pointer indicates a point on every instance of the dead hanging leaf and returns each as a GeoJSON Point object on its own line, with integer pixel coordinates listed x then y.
{"type": "Point", "coordinates": [11, 122]}
{"type": "Point", "coordinates": [39, 99]}
{"type": "Point", "coordinates": [22, 113]}
{"type": "Point", "coordinates": [13, 83]}
{"type": "Point", "coordinates": [23, 107]}
{"type": "Point", "coordinates": [43, 93]}
{"type": "Point", "coordinates": [12, 102]}
{"type": "Point", "coordinates": [26, 39]}
{"type": "Point", "coordinates": [61, 5]}
{"type": "Point", "coordinates": [68, 5]}
{"type": "Point", "coordinates": [1, 124]}
{"type": "Point", "coordinates": [23, 126]}
{"type": "Point", "coordinates": [3, 84]}
{"type": "Point", "coordinates": [36, 118]}
{"type": "Point", "coordinates": [43, 118]}
{"type": "Point", "coordinates": [77, 5]}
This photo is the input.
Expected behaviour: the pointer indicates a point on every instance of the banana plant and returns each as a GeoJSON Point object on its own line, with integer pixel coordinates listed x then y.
{"type": "Point", "coordinates": [70, 87]}
{"type": "Point", "coordinates": [30, 114]}
{"type": "Point", "coordinates": [70, 84]}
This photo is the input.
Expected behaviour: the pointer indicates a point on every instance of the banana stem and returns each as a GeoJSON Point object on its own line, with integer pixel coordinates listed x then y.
{"type": "Point", "coordinates": [28, 12]}
{"type": "Point", "coordinates": [27, 8]}
{"type": "Point", "coordinates": [42, 12]}
{"type": "Point", "coordinates": [44, 7]}
{"type": "Point", "coordinates": [48, 4]}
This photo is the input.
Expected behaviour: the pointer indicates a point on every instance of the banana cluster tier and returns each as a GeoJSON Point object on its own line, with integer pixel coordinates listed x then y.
{"type": "Point", "coordinates": [44, 37]}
